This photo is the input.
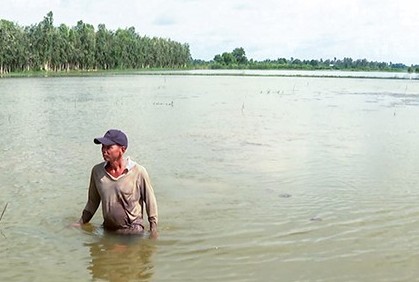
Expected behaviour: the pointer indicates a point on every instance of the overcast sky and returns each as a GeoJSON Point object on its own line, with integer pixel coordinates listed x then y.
{"type": "Point", "coordinates": [377, 30]}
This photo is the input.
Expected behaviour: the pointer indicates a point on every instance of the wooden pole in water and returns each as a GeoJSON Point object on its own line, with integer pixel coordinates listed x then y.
{"type": "Point", "coordinates": [5, 207]}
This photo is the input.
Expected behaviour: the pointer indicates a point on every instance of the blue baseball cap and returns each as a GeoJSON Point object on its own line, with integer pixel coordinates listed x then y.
{"type": "Point", "coordinates": [112, 137]}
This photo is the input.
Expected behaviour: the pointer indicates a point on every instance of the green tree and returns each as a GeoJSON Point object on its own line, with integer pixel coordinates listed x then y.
{"type": "Point", "coordinates": [104, 45]}
{"type": "Point", "coordinates": [240, 56]}
{"type": "Point", "coordinates": [228, 58]}
{"type": "Point", "coordinates": [12, 51]}
{"type": "Point", "coordinates": [85, 45]}
{"type": "Point", "coordinates": [44, 40]}
{"type": "Point", "coordinates": [218, 59]}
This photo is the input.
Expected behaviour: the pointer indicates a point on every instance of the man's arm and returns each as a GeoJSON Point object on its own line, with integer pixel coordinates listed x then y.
{"type": "Point", "coordinates": [86, 216]}
{"type": "Point", "coordinates": [92, 204]}
{"type": "Point", "coordinates": [150, 203]}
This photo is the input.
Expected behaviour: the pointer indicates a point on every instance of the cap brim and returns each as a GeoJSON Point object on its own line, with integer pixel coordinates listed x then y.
{"type": "Point", "coordinates": [104, 141]}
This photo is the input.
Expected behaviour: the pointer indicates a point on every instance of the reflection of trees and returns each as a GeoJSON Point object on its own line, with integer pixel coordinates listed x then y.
{"type": "Point", "coordinates": [121, 258]}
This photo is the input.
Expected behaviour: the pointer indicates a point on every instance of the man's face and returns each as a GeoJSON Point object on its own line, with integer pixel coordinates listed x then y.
{"type": "Point", "coordinates": [112, 153]}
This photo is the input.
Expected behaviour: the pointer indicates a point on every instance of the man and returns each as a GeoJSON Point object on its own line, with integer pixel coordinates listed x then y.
{"type": "Point", "coordinates": [123, 187]}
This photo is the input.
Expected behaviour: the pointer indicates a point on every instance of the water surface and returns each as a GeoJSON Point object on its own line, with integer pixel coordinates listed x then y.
{"type": "Point", "coordinates": [257, 178]}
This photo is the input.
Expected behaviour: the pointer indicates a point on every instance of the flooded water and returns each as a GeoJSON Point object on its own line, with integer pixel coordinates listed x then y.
{"type": "Point", "coordinates": [257, 178]}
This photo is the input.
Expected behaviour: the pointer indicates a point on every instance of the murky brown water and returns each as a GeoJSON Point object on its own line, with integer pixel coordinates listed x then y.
{"type": "Point", "coordinates": [257, 178]}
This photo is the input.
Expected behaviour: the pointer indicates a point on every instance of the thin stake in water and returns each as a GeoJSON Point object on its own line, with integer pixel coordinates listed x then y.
{"type": "Point", "coordinates": [5, 207]}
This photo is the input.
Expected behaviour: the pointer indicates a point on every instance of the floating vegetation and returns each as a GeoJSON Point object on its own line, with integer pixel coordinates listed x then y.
{"type": "Point", "coordinates": [278, 92]}
{"type": "Point", "coordinates": [315, 218]}
{"type": "Point", "coordinates": [163, 104]}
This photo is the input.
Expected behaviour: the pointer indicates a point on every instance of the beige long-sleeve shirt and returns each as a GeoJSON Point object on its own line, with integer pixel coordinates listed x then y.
{"type": "Point", "coordinates": [122, 198]}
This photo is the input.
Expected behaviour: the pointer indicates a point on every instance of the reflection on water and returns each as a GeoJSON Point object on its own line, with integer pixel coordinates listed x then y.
{"type": "Point", "coordinates": [119, 258]}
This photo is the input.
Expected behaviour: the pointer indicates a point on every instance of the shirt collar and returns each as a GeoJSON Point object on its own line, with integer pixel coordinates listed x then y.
{"type": "Point", "coordinates": [129, 164]}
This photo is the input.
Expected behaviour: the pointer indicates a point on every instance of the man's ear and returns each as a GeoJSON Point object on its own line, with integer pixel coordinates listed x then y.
{"type": "Point", "coordinates": [123, 148]}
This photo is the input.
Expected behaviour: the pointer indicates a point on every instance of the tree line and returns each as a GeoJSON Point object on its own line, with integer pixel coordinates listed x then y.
{"type": "Point", "coordinates": [45, 47]}
{"type": "Point", "coordinates": [237, 60]}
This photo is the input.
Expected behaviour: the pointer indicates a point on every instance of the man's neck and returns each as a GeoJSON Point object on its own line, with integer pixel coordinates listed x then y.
{"type": "Point", "coordinates": [116, 168]}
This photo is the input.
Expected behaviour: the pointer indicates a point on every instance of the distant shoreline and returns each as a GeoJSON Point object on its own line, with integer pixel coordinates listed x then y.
{"type": "Point", "coordinates": [223, 72]}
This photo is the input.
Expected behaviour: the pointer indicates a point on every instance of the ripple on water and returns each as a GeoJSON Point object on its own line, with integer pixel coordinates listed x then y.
{"type": "Point", "coordinates": [319, 185]}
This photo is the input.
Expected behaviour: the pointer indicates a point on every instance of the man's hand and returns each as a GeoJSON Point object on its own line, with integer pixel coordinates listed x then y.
{"type": "Point", "coordinates": [153, 231]}
{"type": "Point", "coordinates": [154, 234]}
{"type": "Point", "coordinates": [76, 224]}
